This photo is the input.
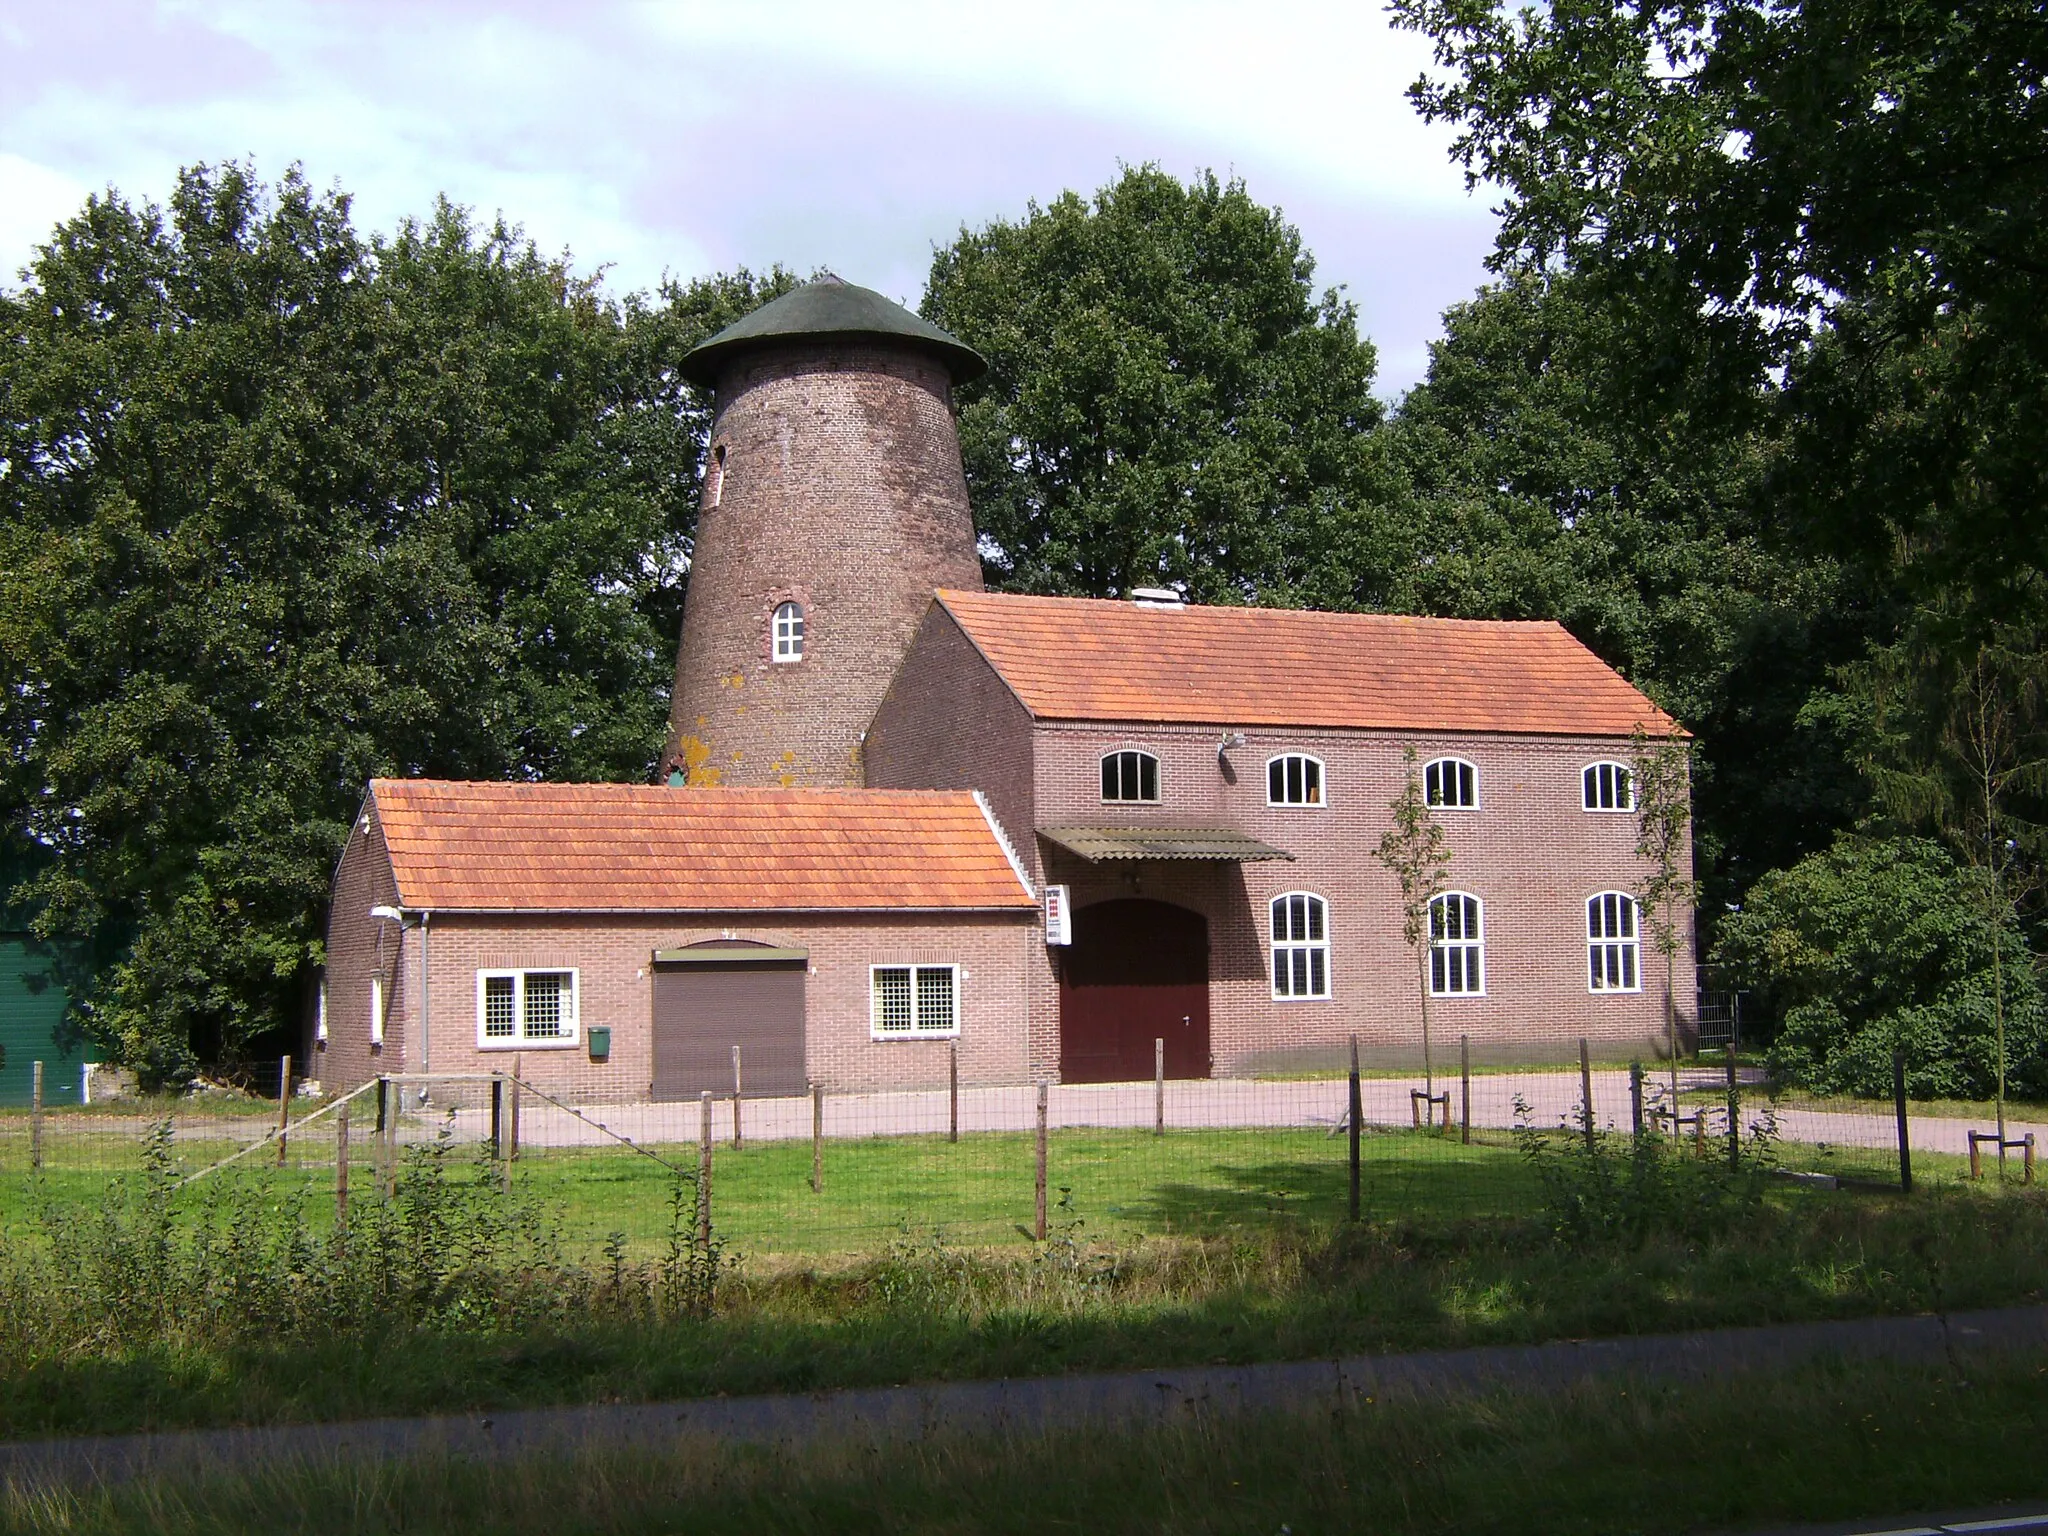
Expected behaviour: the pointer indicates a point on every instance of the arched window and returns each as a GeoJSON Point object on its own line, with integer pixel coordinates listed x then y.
{"type": "Point", "coordinates": [1457, 946]}
{"type": "Point", "coordinates": [1301, 946]}
{"type": "Point", "coordinates": [788, 633]}
{"type": "Point", "coordinates": [1294, 779]}
{"type": "Point", "coordinates": [1612, 944]}
{"type": "Point", "coordinates": [1130, 776]}
{"type": "Point", "coordinates": [1451, 782]}
{"type": "Point", "coordinates": [1610, 787]}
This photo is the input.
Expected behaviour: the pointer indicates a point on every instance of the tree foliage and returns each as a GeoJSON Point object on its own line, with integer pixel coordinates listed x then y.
{"type": "Point", "coordinates": [1879, 944]}
{"type": "Point", "coordinates": [1168, 401]}
{"type": "Point", "coordinates": [1416, 853]}
{"type": "Point", "coordinates": [282, 508]}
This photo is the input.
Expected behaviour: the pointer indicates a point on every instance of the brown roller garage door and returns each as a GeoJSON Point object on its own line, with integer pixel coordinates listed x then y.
{"type": "Point", "coordinates": [711, 997]}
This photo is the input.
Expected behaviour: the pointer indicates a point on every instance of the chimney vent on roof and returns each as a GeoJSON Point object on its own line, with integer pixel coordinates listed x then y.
{"type": "Point", "coordinates": [1155, 597]}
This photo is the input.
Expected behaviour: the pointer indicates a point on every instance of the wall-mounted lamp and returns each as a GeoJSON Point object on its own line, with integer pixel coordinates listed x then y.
{"type": "Point", "coordinates": [1230, 739]}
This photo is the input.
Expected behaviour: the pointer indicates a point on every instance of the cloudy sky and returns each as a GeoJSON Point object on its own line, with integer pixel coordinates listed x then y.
{"type": "Point", "coordinates": [686, 137]}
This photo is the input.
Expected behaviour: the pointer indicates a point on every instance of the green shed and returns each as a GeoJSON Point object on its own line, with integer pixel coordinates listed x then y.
{"type": "Point", "coordinates": [31, 1008]}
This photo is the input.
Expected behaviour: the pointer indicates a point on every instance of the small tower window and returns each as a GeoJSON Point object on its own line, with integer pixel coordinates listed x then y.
{"type": "Point", "coordinates": [714, 477]}
{"type": "Point", "coordinates": [789, 632]}
{"type": "Point", "coordinates": [1609, 787]}
{"type": "Point", "coordinates": [1130, 776]}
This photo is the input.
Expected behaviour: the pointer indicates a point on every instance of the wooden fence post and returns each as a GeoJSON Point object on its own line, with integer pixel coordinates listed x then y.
{"type": "Point", "coordinates": [1586, 1090]}
{"type": "Point", "coordinates": [35, 1118]}
{"type": "Point", "coordinates": [1038, 1226]}
{"type": "Point", "coordinates": [284, 1105]}
{"type": "Point", "coordinates": [1354, 1113]}
{"type": "Point", "coordinates": [817, 1138]}
{"type": "Point", "coordinates": [704, 1170]}
{"type": "Point", "coordinates": [735, 1096]}
{"type": "Point", "coordinates": [341, 1168]}
{"type": "Point", "coordinates": [1465, 1083]}
{"type": "Point", "coordinates": [383, 1146]}
{"type": "Point", "coordinates": [1158, 1087]}
{"type": "Point", "coordinates": [953, 1088]}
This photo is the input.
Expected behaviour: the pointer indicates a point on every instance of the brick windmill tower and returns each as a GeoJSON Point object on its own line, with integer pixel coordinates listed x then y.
{"type": "Point", "coordinates": [833, 505]}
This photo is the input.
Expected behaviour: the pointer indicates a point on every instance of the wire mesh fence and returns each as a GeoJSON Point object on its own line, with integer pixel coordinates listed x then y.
{"type": "Point", "coordinates": [822, 1173]}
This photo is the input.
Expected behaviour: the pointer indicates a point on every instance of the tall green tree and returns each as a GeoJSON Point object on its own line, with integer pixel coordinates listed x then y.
{"type": "Point", "coordinates": [1168, 401]}
{"type": "Point", "coordinates": [282, 508]}
{"type": "Point", "coordinates": [1531, 490]}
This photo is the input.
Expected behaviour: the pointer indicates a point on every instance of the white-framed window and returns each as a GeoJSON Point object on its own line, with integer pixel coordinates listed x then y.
{"type": "Point", "coordinates": [1294, 778]}
{"type": "Point", "coordinates": [913, 1002]}
{"type": "Point", "coordinates": [1613, 943]}
{"type": "Point", "coordinates": [788, 633]}
{"type": "Point", "coordinates": [1451, 782]}
{"type": "Point", "coordinates": [1610, 787]}
{"type": "Point", "coordinates": [1457, 945]}
{"type": "Point", "coordinates": [525, 1010]}
{"type": "Point", "coordinates": [376, 1010]}
{"type": "Point", "coordinates": [320, 1017]}
{"type": "Point", "coordinates": [1301, 946]}
{"type": "Point", "coordinates": [1130, 776]}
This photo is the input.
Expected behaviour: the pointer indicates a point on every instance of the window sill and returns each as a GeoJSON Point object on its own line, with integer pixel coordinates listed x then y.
{"type": "Point", "coordinates": [499, 1047]}
{"type": "Point", "coordinates": [899, 1038]}
{"type": "Point", "coordinates": [1614, 991]}
{"type": "Point", "coordinates": [1303, 997]}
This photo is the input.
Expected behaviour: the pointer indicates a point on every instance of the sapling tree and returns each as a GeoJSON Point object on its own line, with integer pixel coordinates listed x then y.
{"type": "Point", "coordinates": [1979, 765]}
{"type": "Point", "coordinates": [1662, 770]}
{"type": "Point", "coordinates": [1413, 849]}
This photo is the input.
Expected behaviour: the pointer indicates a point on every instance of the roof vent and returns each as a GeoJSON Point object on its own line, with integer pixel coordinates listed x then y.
{"type": "Point", "coordinates": [1155, 597]}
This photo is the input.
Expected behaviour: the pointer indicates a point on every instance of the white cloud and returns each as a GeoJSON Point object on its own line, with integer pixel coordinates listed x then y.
{"type": "Point", "coordinates": [33, 200]}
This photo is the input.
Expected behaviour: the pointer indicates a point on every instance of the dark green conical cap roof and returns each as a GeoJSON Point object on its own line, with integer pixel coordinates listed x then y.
{"type": "Point", "coordinates": [829, 309]}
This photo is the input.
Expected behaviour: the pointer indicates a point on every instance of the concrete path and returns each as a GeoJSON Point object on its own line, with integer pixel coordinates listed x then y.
{"type": "Point", "coordinates": [2010, 1520]}
{"type": "Point", "coordinates": [886, 1415]}
{"type": "Point", "coordinates": [1552, 1098]}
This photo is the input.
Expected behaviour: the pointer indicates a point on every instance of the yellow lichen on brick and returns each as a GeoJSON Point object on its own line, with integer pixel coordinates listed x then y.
{"type": "Point", "coordinates": [693, 756]}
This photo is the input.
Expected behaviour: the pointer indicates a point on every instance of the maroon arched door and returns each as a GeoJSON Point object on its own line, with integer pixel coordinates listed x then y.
{"type": "Point", "coordinates": [1137, 972]}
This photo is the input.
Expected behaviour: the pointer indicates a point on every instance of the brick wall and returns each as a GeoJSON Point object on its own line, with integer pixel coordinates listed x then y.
{"type": "Point", "coordinates": [358, 948]}
{"type": "Point", "coordinates": [842, 485]}
{"type": "Point", "coordinates": [1529, 852]}
{"type": "Point", "coordinates": [949, 722]}
{"type": "Point", "coordinates": [613, 956]}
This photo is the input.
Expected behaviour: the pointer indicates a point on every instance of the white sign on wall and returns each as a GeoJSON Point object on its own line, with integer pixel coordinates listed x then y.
{"type": "Point", "coordinates": [1059, 926]}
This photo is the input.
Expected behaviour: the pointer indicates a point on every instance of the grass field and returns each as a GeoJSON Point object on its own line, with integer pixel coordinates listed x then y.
{"type": "Point", "coordinates": [1821, 1443]}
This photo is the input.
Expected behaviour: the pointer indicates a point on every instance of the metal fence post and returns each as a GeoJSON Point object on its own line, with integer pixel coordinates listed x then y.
{"type": "Point", "coordinates": [1354, 1113]}
{"type": "Point", "coordinates": [1635, 1100]}
{"type": "Point", "coordinates": [498, 1116]}
{"type": "Point", "coordinates": [284, 1105]}
{"type": "Point", "coordinates": [704, 1170]}
{"type": "Point", "coordinates": [953, 1088]}
{"type": "Point", "coordinates": [1905, 1140]}
{"type": "Point", "coordinates": [512, 1114]}
{"type": "Point", "coordinates": [385, 1144]}
{"type": "Point", "coordinates": [1038, 1226]}
{"type": "Point", "coordinates": [1465, 1081]}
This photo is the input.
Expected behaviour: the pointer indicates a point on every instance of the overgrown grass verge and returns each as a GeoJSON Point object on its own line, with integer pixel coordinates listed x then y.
{"type": "Point", "coordinates": [154, 1310]}
{"type": "Point", "coordinates": [1826, 1442]}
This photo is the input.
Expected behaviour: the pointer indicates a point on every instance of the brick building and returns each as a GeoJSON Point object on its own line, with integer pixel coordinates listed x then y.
{"type": "Point", "coordinates": [1053, 831]}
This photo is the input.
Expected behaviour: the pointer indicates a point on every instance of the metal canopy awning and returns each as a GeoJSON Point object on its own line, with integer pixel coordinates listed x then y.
{"type": "Point", "coordinates": [728, 954]}
{"type": "Point", "coordinates": [1099, 844]}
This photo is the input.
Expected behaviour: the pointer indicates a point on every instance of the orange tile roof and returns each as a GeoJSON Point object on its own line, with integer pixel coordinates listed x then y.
{"type": "Point", "coordinates": [1089, 659]}
{"type": "Point", "coordinates": [638, 848]}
